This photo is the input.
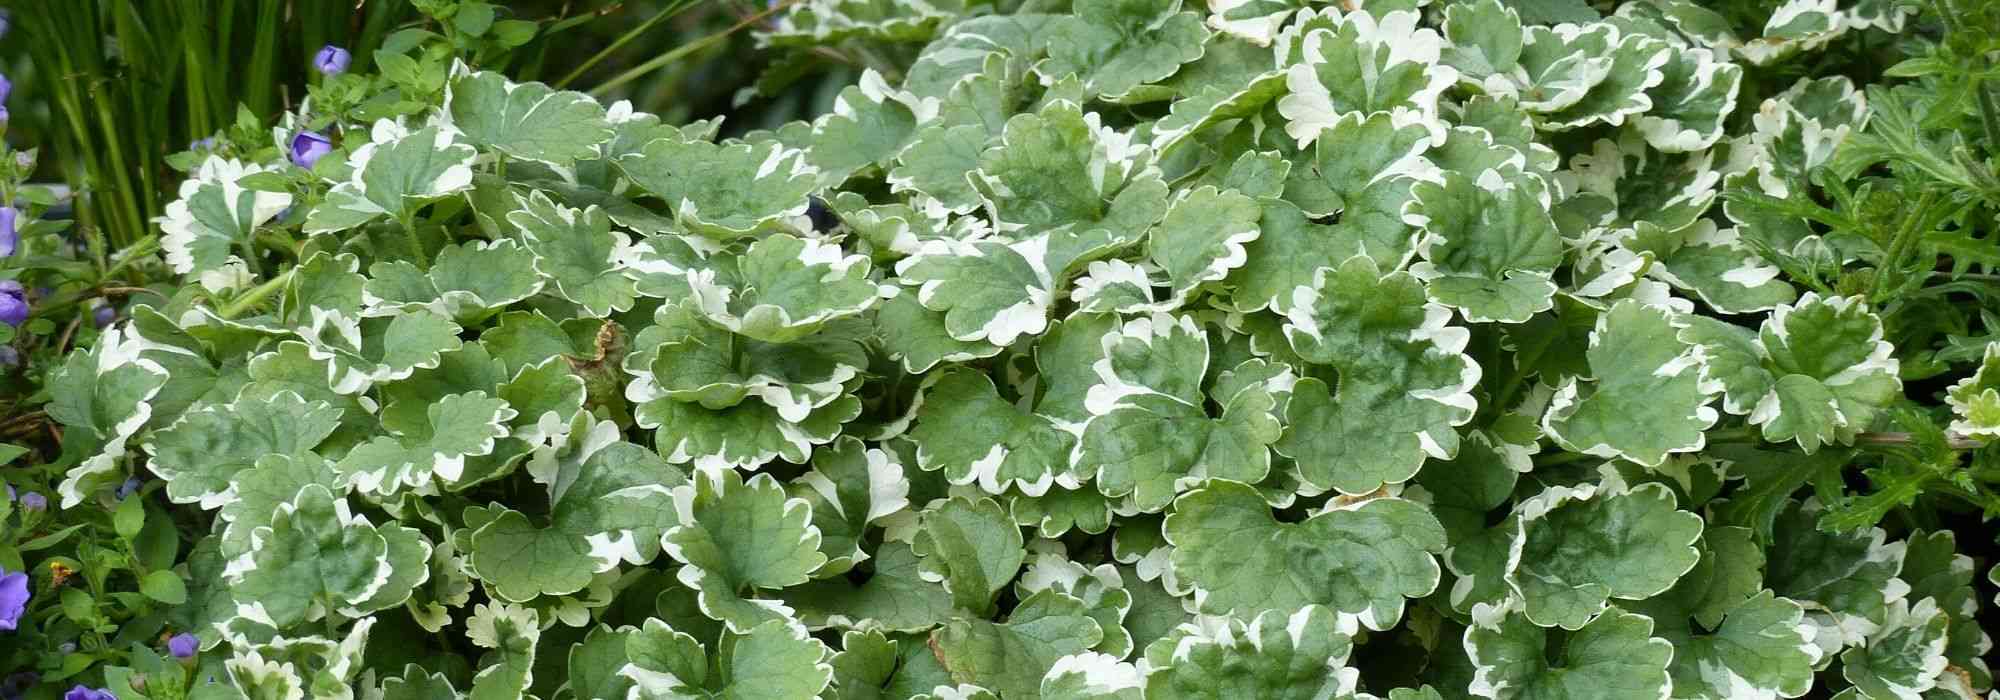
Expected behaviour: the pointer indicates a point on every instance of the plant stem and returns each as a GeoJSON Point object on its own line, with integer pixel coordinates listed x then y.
{"type": "Point", "coordinates": [250, 258]}
{"type": "Point", "coordinates": [634, 33]}
{"type": "Point", "coordinates": [683, 50]}
{"type": "Point", "coordinates": [256, 295]}
{"type": "Point", "coordinates": [1899, 248]}
{"type": "Point", "coordinates": [409, 224]}
{"type": "Point", "coordinates": [1956, 442]}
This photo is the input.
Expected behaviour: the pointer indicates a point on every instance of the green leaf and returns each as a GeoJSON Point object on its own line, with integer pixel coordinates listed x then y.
{"type": "Point", "coordinates": [1696, 94]}
{"type": "Point", "coordinates": [1060, 170]}
{"type": "Point", "coordinates": [700, 362]}
{"type": "Point", "coordinates": [164, 586]}
{"type": "Point", "coordinates": [1936, 570]}
{"type": "Point", "coordinates": [1362, 168]}
{"type": "Point", "coordinates": [1358, 62]}
{"type": "Point", "coordinates": [1845, 579]}
{"type": "Point", "coordinates": [577, 253]}
{"type": "Point", "coordinates": [1723, 271]}
{"type": "Point", "coordinates": [1362, 559]}
{"type": "Point", "coordinates": [1150, 435]}
{"type": "Point", "coordinates": [1615, 656]}
{"type": "Point", "coordinates": [777, 659]}
{"type": "Point", "coordinates": [102, 398]}
{"type": "Point", "coordinates": [200, 456]}
{"type": "Point", "coordinates": [1489, 247]}
{"type": "Point", "coordinates": [870, 125]}
{"type": "Point", "coordinates": [724, 191]}
{"type": "Point", "coordinates": [1761, 646]}
{"type": "Point", "coordinates": [528, 121]}
{"type": "Point", "coordinates": [1101, 588]}
{"type": "Point", "coordinates": [973, 546]}
{"type": "Point", "coordinates": [457, 427]}
{"type": "Point", "coordinates": [977, 437]}
{"type": "Point", "coordinates": [398, 171]}
{"type": "Point", "coordinates": [366, 351]}
{"type": "Point", "coordinates": [1633, 64]}
{"type": "Point", "coordinates": [1405, 379]}
{"type": "Point", "coordinates": [609, 503]}
{"type": "Point", "coordinates": [1904, 657]}
{"type": "Point", "coordinates": [737, 537]}
{"type": "Point", "coordinates": [850, 487]}
{"type": "Point", "coordinates": [467, 283]}
{"type": "Point", "coordinates": [1575, 549]}
{"type": "Point", "coordinates": [749, 434]}
{"type": "Point", "coordinates": [1012, 657]}
{"type": "Point", "coordinates": [988, 291]}
{"type": "Point", "coordinates": [1288, 252]}
{"type": "Point", "coordinates": [784, 288]}
{"type": "Point", "coordinates": [1817, 373]}
{"type": "Point", "coordinates": [1201, 238]}
{"type": "Point", "coordinates": [1274, 655]}
{"type": "Point", "coordinates": [1092, 676]}
{"type": "Point", "coordinates": [918, 336]}
{"type": "Point", "coordinates": [214, 215]}
{"type": "Point", "coordinates": [1483, 38]}
{"type": "Point", "coordinates": [1649, 397]}
{"type": "Point", "coordinates": [1116, 46]}
{"type": "Point", "coordinates": [512, 633]}
{"type": "Point", "coordinates": [316, 551]}
{"type": "Point", "coordinates": [895, 597]}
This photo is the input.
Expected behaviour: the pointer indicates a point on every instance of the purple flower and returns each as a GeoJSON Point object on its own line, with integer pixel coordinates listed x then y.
{"type": "Point", "coordinates": [204, 144]}
{"type": "Point", "coordinates": [84, 692]}
{"type": "Point", "coordinates": [6, 88]}
{"type": "Point", "coordinates": [332, 60]}
{"type": "Point", "coordinates": [308, 147]}
{"type": "Point", "coordinates": [183, 645]}
{"type": "Point", "coordinates": [32, 501]}
{"type": "Point", "coordinates": [103, 315]}
{"type": "Point", "coordinates": [125, 490]}
{"type": "Point", "coordinates": [10, 231]}
{"type": "Point", "coordinates": [13, 599]}
{"type": "Point", "coordinates": [14, 289]}
{"type": "Point", "coordinates": [13, 310]}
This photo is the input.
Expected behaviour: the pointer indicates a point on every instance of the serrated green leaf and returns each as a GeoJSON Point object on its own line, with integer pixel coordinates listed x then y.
{"type": "Point", "coordinates": [528, 121]}
{"type": "Point", "coordinates": [1360, 560]}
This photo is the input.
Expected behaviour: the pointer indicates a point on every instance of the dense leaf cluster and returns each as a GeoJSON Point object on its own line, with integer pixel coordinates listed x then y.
{"type": "Point", "coordinates": [1133, 350]}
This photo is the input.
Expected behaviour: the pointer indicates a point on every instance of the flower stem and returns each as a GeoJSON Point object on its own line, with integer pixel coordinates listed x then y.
{"type": "Point", "coordinates": [408, 220]}
{"type": "Point", "coordinates": [256, 295]}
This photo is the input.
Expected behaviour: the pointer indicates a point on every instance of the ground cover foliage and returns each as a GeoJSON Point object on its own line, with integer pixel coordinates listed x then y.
{"type": "Point", "coordinates": [1106, 349]}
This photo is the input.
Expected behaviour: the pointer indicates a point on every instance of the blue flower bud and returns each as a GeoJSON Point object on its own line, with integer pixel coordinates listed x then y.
{"type": "Point", "coordinates": [84, 692]}
{"type": "Point", "coordinates": [308, 147]}
{"type": "Point", "coordinates": [13, 310]}
{"type": "Point", "coordinates": [332, 60]}
{"type": "Point", "coordinates": [10, 230]}
{"type": "Point", "coordinates": [103, 315]}
{"type": "Point", "coordinates": [32, 501]}
{"type": "Point", "coordinates": [183, 645]}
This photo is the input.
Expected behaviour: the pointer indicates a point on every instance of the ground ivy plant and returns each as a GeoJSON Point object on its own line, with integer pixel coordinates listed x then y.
{"type": "Point", "coordinates": [1105, 349]}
